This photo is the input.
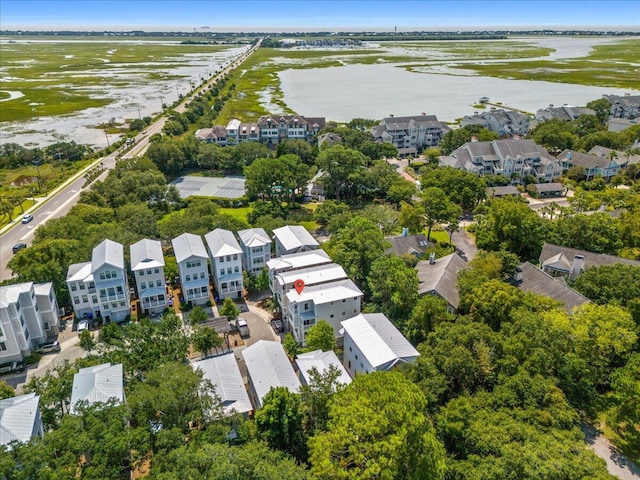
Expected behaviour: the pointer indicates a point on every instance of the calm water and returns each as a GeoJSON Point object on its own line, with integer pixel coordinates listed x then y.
{"type": "Point", "coordinates": [376, 91]}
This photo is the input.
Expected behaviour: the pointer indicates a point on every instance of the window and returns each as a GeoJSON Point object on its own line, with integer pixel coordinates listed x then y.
{"type": "Point", "coordinates": [17, 307]}
{"type": "Point", "coordinates": [228, 258]}
{"type": "Point", "coordinates": [306, 306]}
{"type": "Point", "coordinates": [343, 300]}
{"type": "Point", "coordinates": [94, 299]}
{"type": "Point", "coordinates": [203, 289]}
{"type": "Point", "coordinates": [3, 346]}
{"type": "Point", "coordinates": [187, 278]}
{"type": "Point", "coordinates": [158, 283]}
{"type": "Point", "coordinates": [236, 269]}
{"type": "Point", "coordinates": [221, 271]}
{"type": "Point", "coordinates": [201, 275]}
{"type": "Point", "coordinates": [149, 272]}
{"type": "Point", "coordinates": [1, 334]}
{"type": "Point", "coordinates": [122, 303]}
{"type": "Point", "coordinates": [101, 275]}
{"type": "Point", "coordinates": [107, 274]}
{"type": "Point", "coordinates": [119, 290]}
{"type": "Point", "coordinates": [343, 313]}
{"type": "Point", "coordinates": [73, 287]}
{"type": "Point", "coordinates": [229, 271]}
{"type": "Point", "coordinates": [161, 298]}
{"type": "Point", "coordinates": [142, 273]}
{"type": "Point", "coordinates": [114, 304]}
{"type": "Point", "coordinates": [221, 259]}
{"type": "Point", "coordinates": [26, 334]}
{"type": "Point", "coordinates": [349, 363]}
{"type": "Point", "coordinates": [156, 270]}
{"type": "Point", "coordinates": [143, 285]}
{"type": "Point", "coordinates": [85, 299]}
{"type": "Point", "coordinates": [105, 306]}
{"type": "Point", "coordinates": [235, 256]}
{"type": "Point", "coordinates": [331, 316]}
{"type": "Point", "coordinates": [112, 291]}
{"type": "Point", "coordinates": [76, 300]}
{"type": "Point", "coordinates": [81, 285]}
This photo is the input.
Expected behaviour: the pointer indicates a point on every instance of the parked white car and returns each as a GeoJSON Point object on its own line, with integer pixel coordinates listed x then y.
{"type": "Point", "coordinates": [83, 325]}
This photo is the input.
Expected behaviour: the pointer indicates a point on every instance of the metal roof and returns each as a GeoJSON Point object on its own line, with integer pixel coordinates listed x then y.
{"type": "Point", "coordinates": [314, 275]}
{"type": "Point", "coordinates": [378, 340]}
{"type": "Point", "coordinates": [97, 384]}
{"type": "Point", "coordinates": [268, 366]}
{"type": "Point", "coordinates": [107, 253]}
{"type": "Point", "coordinates": [224, 374]}
{"type": "Point", "coordinates": [146, 254]}
{"type": "Point", "coordinates": [325, 293]}
{"type": "Point", "coordinates": [10, 293]}
{"type": "Point", "coordinates": [294, 236]}
{"type": "Point", "coordinates": [222, 242]}
{"type": "Point", "coordinates": [188, 245]}
{"type": "Point", "coordinates": [79, 272]}
{"type": "Point", "coordinates": [254, 237]}
{"type": "Point", "coordinates": [18, 418]}
{"type": "Point", "coordinates": [321, 361]}
{"type": "Point", "coordinates": [298, 260]}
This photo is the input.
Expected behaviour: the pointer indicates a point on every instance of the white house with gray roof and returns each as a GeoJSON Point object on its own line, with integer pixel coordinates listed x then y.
{"type": "Point", "coordinates": [99, 384]}
{"type": "Point", "coordinates": [322, 362]}
{"type": "Point", "coordinates": [28, 317]}
{"type": "Point", "coordinates": [411, 134]}
{"type": "Point", "coordinates": [20, 419]}
{"type": "Point", "coordinates": [506, 123]}
{"type": "Point", "coordinates": [316, 275]}
{"type": "Point", "coordinates": [268, 367]}
{"type": "Point", "coordinates": [223, 373]}
{"type": "Point", "coordinates": [147, 265]}
{"type": "Point", "coordinates": [110, 279]}
{"type": "Point", "coordinates": [372, 343]}
{"type": "Point", "coordinates": [256, 249]}
{"type": "Point", "coordinates": [511, 158]}
{"type": "Point", "coordinates": [293, 239]}
{"type": "Point", "coordinates": [191, 256]}
{"type": "Point", "coordinates": [593, 164]}
{"type": "Point", "coordinates": [332, 302]}
{"type": "Point", "coordinates": [225, 255]}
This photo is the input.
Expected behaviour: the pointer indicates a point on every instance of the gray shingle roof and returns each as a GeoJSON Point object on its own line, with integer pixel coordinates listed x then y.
{"type": "Point", "coordinates": [502, 191]}
{"type": "Point", "coordinates": [549, 187]}
{"type": "Point", "coordinates": [536, 281]}
{"type": "Point", "coordinates": [409, 245]}
{"type": "Point", "coordinates": [563, 257]}
{"type": "Point", "coordinates": [583, 159]}
{"type": "Point", "coordinates": [441, 278]}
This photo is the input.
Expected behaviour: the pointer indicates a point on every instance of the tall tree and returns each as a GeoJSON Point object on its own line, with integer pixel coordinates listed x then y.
{"type": "Point", "coordinates": [279, 422]}
{"type": "Point", "coordinates": [342, 171]}
{"type": "Point", "coordinates": [438, 208]}
{"type": "Point", "coordinates": [321, 337]}
{"type": "Point", "coordinates": [372, 435]}
{"type": "Point", "coordinates": [394, 288]}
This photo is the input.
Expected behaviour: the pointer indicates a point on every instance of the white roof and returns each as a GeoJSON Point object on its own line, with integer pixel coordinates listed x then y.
{"type": "Point", "coordinates": [294, 261]}
{"type": "Point", "coordinates": [294, 236]}
{"type": "Point", "coordinates": [254, 237]}
{"type": "Point", "coordinates": [322, 361]}
{"type": "Point", "coordinates": [325, 293]}
{"type": "Point", "coordinates": [107, 253]}
{"type": "Point", "coordinates": [234, 124]}
{"type": "Point", "coordinates": [79, 272]}
{"type": "Point", "coordinates": [146, 254]}
{"type": "Point", "coordinates": [10, 293]}
{"type": "Point", "coordinates": [188, 245]}
{"type": "Point", "coordinates": [43, 288]}
{"type": "Point", "coordinates": [378, 340]}
{"type": "Point", "coordinates": [312, 276]}
{"type": "Point", "coordinates": [97, 384]}
{"type": "Point", "coordinates": [222, 242]}
{"type": "Point", "coordinates": [224, 374]}
{"type": "Point", "coordinates": [268, 366]}
{"type": "Point", "coordinates": [18, 416]}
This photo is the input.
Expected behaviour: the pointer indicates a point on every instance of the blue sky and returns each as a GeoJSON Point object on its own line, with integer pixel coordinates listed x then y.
{"type": "Point", "coordinates": [301, 15]}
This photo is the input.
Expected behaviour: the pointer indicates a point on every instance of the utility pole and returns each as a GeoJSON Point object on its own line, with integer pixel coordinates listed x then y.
{"type": "Point", "coordinates": [37, 164]}
{"type": "Point", "coordinates": [139, 116]}
{"type": "Point", "coordinates": [104, 127]}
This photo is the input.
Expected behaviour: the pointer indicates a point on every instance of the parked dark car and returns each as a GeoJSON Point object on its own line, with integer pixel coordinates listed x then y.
{"type": "Point", "coordinates": [11, 367]}
{"type": "Point", "coordinates": [19, 246]}
{"type": "Point", "coordinates": [277, 325]}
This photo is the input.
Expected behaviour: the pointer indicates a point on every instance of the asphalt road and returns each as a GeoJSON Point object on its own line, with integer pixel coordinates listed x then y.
{"type": "Point", "coordinates": [617, 464]}
{"type": "Point", "coordinates": [61, 201]}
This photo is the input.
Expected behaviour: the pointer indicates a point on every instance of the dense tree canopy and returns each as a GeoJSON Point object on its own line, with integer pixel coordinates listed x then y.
{"type": "Point", "coordinates": [371, 434]}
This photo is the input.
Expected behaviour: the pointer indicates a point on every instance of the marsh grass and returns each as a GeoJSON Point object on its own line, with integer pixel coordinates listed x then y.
{"type": "Point", "coordinates": [610, 65]}
{"type": "Point", "coordinates": [55, 77]}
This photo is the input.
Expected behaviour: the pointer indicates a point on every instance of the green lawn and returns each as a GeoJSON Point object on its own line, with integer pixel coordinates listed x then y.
{"type": "Point", "coordinates": [239, 213]}
{"type": "Point", "coordinates": [440, 237]}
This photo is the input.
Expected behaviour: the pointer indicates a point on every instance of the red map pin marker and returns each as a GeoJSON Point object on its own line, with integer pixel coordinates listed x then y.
{"type": "Point", "coordinates": [299, 286]}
